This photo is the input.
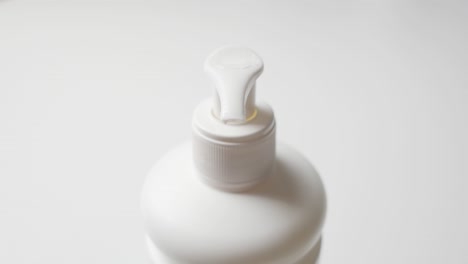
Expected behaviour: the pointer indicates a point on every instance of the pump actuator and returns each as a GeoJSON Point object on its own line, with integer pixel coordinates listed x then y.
{"type": "Point", "coordinates": [233, 135]}
{"type": "Point", "coordinates": [234, 72]}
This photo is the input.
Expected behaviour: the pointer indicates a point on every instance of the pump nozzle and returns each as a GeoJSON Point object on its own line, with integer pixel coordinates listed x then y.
{"type": "Point", "coordinates": [234, 71]}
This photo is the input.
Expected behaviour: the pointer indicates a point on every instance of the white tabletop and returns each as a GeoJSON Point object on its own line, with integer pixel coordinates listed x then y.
{"type": "Point", "coordinates": [92, 93]}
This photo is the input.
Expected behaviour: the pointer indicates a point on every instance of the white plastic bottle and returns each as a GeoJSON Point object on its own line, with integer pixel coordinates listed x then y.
{"type": "Point", "coordinates": [231, 195]}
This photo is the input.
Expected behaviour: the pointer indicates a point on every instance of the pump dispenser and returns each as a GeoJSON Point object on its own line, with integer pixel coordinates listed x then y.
{"type": "Point", "coordinates": [230, 196]}
{"type": "Point", "coordinates": [233, 137]}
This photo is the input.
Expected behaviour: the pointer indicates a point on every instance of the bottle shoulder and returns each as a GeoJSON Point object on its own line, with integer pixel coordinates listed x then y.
{"type": "Point", "coordinates": [277, 221]}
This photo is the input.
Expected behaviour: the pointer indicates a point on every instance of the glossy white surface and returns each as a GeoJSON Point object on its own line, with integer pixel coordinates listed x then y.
{"type": "Point", "coordinates": [276, 222]}
{"type": "Point", "coordinates": [312, 257]}
{"type": "Point", "coordinates": [87, 89]}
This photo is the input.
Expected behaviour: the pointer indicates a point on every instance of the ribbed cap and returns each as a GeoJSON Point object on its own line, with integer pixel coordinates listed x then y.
{"type": "Point", "coordinates": [233, 137]}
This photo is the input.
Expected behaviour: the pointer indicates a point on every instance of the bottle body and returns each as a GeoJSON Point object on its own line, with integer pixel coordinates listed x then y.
{"type": "Point", "coordinates": [278, 221]}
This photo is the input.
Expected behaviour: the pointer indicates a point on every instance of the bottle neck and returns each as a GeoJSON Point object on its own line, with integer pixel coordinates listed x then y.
{"type": "Point", "coordinates": [233, 157]}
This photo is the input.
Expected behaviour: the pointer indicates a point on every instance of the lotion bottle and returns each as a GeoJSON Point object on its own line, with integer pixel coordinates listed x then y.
{"type": "Point", "coordinates": [232, 195]}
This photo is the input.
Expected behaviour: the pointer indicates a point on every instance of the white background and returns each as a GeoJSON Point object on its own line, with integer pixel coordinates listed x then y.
{"type": "Point", "coordinates": [93, 93]}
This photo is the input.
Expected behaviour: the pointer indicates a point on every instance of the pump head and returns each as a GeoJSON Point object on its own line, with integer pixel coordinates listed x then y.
{"type": "Point", "coordinates": [234, 71]}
